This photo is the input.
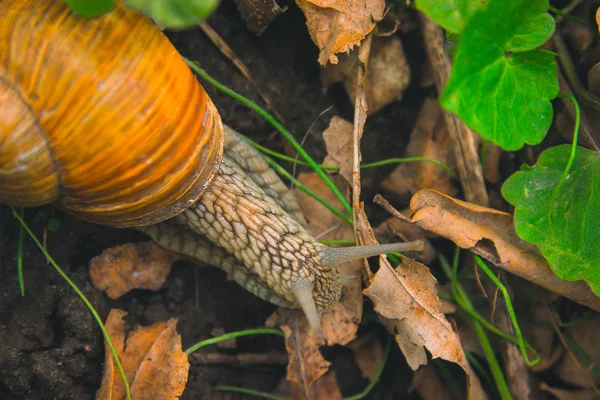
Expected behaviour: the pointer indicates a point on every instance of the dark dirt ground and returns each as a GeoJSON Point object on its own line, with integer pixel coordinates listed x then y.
{"type": "Point", "coordinates": [50, 346]}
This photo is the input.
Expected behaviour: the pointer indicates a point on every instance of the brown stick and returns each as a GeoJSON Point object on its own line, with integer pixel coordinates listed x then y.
{"type": "Point", "coordinates": [467, 160]}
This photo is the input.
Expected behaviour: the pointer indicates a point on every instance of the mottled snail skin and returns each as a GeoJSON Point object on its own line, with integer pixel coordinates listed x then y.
{"type": "Point", "coordinates": [103, 118]}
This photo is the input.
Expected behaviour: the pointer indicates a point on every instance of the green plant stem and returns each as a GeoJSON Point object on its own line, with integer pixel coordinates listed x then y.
{"type": "Point", "coordinates": [463, 300]}
{"type": "Point", "coordinates": [200, 71]}
{"type": "Point", "coordinates": [573, 154]}
{"type": "Point", "coordinates": [283, 172]}
{"type": "Point", "coordinates": [510, 309]}
{"type": "Point", "coordinates": [250, 392]}
{"type": "Point", "coordinates": [480, 369]}
{"type": "Point", "coordinates": [566, 15]}
{"type": "Point", "coordinates": [582, 94]}
{"type": "Point", "coordinates": [83, 298]}
{"type": "Point", "coordinates": [20, 256]}
{"type": "Point", "coordinates": [377, 376]}
{"type": "Point", "coordinates": [232, 335]}
{"type": "Point", "coordinates": [380, 163]}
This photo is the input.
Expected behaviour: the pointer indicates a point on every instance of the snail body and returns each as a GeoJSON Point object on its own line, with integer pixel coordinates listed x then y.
{"type": "Point", "coordinates": [103, 118]}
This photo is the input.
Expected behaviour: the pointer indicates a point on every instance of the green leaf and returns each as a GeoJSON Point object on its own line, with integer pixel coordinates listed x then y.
{"type": "Point", "coordinates": [90, 8]}
{"type": "Point", "coordinates": [175, 13]}
{"type": "Point", "coordinates": [452, 15]}
{"type": "Point", "coordinates": [563, 223]}
{"type": "Point", "coordinates": [503, 95]}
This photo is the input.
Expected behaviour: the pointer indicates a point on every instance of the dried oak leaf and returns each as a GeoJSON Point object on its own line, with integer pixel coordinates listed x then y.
{"type": "Point", "coordinates": [491, 234]}
{"type": "Point", "coordinates": [428, 384]}
{"type": "Point", "coordinates": [368, 354]}
{"type": "Point", "coordinates": [338, 142]}
{"type": "Point", "coordinates": [306, 363]}
{"type": "Point", "coordinates": [151, 357]}
{"type": "Point", "coordinates": [388, 74]}
{"type": "Point", "coordinates": [131, 266]}
{"type": "Point", "coordinates": [336, 26]}
{"type": "Point", "coordinates": [429, 138]}
{"type": "Point", "coordinates": [407, 300]}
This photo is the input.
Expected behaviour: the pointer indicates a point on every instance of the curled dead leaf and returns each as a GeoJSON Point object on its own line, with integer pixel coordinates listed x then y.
{"type": "Point", "coordinates": [151, 357]}
{"type": "Point", "coordinates": [130, 266]}
{"type": "Point", "coordinates": [387, 77]}
{"type": "Point", "coordinates": [336, 26]}
{"type": "Point", "coordinates": [429, 138]}
{"type": "Point", "coordinates": [490, 233]}
{"type": "Point", "coordinates": [338, 141]}
{"type": "Point", "coordinates": [406, 298]}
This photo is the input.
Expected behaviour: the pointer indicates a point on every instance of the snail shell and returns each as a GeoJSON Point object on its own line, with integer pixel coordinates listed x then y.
{"type": "Point", "coordinates": [121, 135]}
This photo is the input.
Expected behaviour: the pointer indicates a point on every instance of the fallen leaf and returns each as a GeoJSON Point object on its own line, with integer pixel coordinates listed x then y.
{"type": "Point", "coordinates": [324, 388]}
{"type": "Point", "coordinates": [368, 354]}
{"type": "Point", "coordinates": [336, 26]}
{"type": "Point", "coordinates": [586, 335]}
{"type": "Point", "coordinates": [258, 14]}
{"type": "Point", "coordinates": [338, 142]}
{"type": "Point", "coordinates": [306, 363]}
{"type": "Point", "coordinates": [151, 357]}
{"type": "Point", "coordinates": [406, 297]}
{"type": "Point", "coordinates": [566, 394]}
{"type": "Point", "coordinates": [429, 139]}
{"type": "Point", "coordinates": [428, 384]}
{"type": "Point", "coordinates": [130, 266]}
{"type": "Point", "coordinates": [491, 234]}
{"type": "Point", "coordinates": [387, 78]}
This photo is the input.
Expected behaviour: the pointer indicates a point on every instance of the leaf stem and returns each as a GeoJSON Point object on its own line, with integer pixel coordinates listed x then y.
{"type": "Point", "coordinates": [377, 376]}
{"type": "Point", "coordinates": [83, 298]}
{"type": "Point", "coordinates": [573, 154]}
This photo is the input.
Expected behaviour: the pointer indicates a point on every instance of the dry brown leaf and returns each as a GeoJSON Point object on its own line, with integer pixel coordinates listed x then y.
{"type": "Point", "coordinates": [407, 298]}
{"type": "Point", "coordinates": [336, 26]}
{"type": "Point", "coordinates": [368, 354]}
{"type": "Point", "coordinates": [258, 14]}
{"type": "Point", "coordinates": [338, 141]}
{"type": "Point", "coordinates": [131, 266]}
{"type": "Point", "coordinates": [491, 234]}
{"type": "Point", "coordinates": [387, 78]}
{"type": "Point", "coordinates": [428, 384]}
{"type": "Point", "coordinates": [587, 336]}
{"type": "Point", "coordinates": [151, 357]}
{"type": "Point", "coordinates": [429, 139]}
{"type": "Point", "coordinates": [566, 394]}
{"type": "Point", "coordinates": [306, 363]}
{"type": "Point", "coordinates": [324, 388]}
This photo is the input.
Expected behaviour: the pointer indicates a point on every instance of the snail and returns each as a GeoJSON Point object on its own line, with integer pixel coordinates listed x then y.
{"type": "Point", "coordinates": [103, 118]}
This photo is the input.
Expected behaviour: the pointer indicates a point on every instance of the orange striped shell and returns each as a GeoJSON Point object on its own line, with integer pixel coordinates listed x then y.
{"type": "Point", "coordinates": [101, 116]}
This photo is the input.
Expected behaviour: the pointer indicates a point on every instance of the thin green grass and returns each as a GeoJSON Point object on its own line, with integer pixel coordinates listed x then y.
{"type": "Point", "coordinates": [233, 335]}
{"type": "Point", "coordinates": [511, 313]}
{"type": "Point", "coordinates": [380, 163]}
{"type": "Point", "coordinates": [460, 295]}
{"type": "Point", "coordinates": [20, 255]}
{"type": "Point", "coordinates": [82, 297]}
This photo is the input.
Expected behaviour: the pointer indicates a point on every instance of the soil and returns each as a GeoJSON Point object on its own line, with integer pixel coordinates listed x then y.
{"type": "Point", "coordinates": [51, 347]}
